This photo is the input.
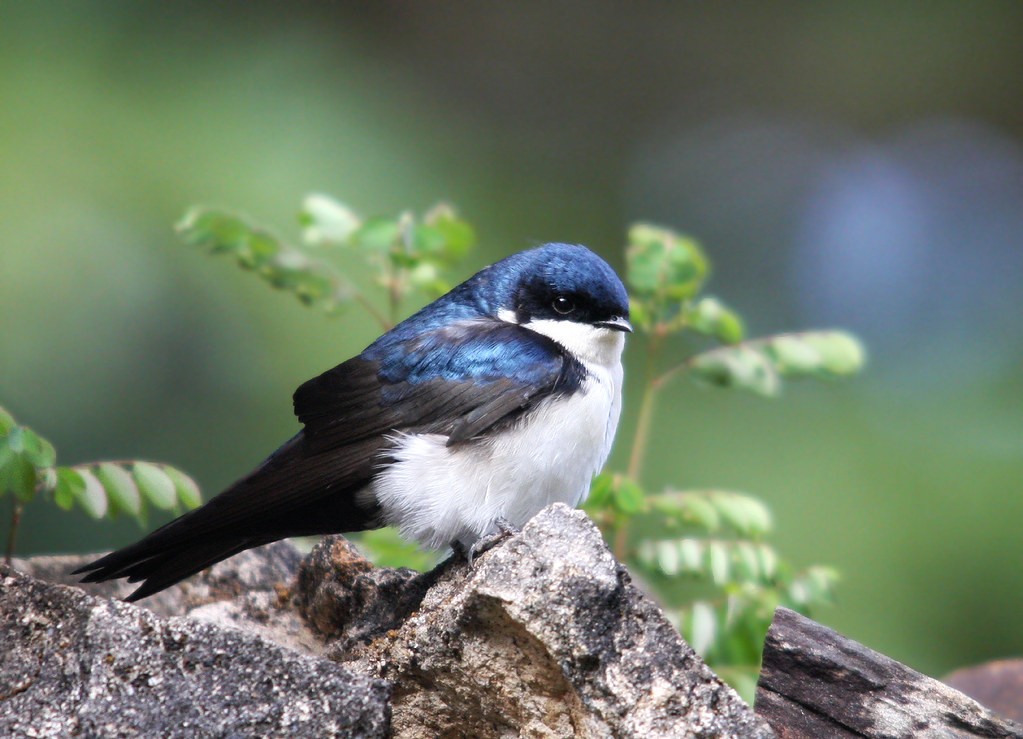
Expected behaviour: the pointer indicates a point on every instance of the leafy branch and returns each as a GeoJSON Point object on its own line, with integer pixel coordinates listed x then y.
{"type": "Point", "coordinates": [713, 539]}
{"type": "Point", "coordinates": [407, 253]}
{"type": "Point", "coordinates": [28, 469]}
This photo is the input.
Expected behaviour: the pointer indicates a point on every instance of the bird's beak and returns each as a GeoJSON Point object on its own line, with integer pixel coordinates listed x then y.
{"type": "Point", "coordinates": [617, 324]}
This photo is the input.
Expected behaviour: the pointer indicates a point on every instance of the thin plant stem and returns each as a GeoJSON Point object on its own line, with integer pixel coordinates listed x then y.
{"type": "Point", "coordinates": [642, 436]}
{"type": "Point", "coordinates": [12, 533]}
{"type": "Point", "coordinates": [620, 548]}
{"type": "Point", "coordinates": [640, 441]}
{"type": "Point", "coordinates": [644, 420]}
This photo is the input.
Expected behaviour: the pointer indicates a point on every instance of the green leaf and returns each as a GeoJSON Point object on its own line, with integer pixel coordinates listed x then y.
{"type": "Point", "coordinates": [258, 249]}
{"type": "Point", "coordinates": [834, 353]}
{"type": "Point", "coordinates": [6, 422]}
{"type": "Point", "coordinates": [710, 316]}
{"type": "Point", "coordinates": [691, 507]}
{"type": "Point", "coordinates": [687, 556]}
{"type": "Point", "coordinates": [18, 475]}
{"type": "Point", "coordinates": [629, 496]}
{"type": "Point", "coordinates": [718, 562]}
{"type": "Point", "coordinates": [36, 449]}
{"type": "Point", "coordinates": [326, 222]}
{"type": "Point", "coordinates": [669, 560]}
{"type": "Point", "coordinates": [691, 554]}
{"type": "Point", "coordinates": [377, 234]}
{"type": "Point", "coordinates": [221, 231]}
{"type": "Point", "coordinates": [187, 491]}
{"type": "Point", "coordinates": [427, 241]}
{"type": "Point", "coordinates": [601, 490]}
{"type": "Point", "coordinates": [793, 355]}
{"type": "Point", "coordinates": [122, 491]}
{"type": "Point", "coordinates": [70, 487]}
{"type": "Point", "coordinates": [46, 479]}
{"type": "Point", "coordinates": [703, 627]}
{"type": "Point", "coordinates": [813, 587]}
{"type": "Point", "coordinates": [15, 439]}
{"type": "Point", "coordinates": [457, 236]}
{"type": "Point", "coordinates": [663, 263]}
{"type": "Point", "coordinates": [740, 367]}
{"type": "Point", "coordinates": [640, 314]}
{"type": "Point", "coordinates": [426, 276]}
{"type": "Point", "coordinates": [841, 352]}
{"type": "Point", "coordinates": [213, 229]}
{"type": "Point", "coordinates": [155, 485]}
{"type": "Point", "coordinates": [769, 561]}
{"type": "Point", "coordinates": [747, 515]}
{"type": "Point", "coordinates": [747, 563]}
{"type": "Point", "coordinates": [91, 496]}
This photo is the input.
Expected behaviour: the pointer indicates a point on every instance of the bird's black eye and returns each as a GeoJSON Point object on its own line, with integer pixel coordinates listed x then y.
{"type": "Point", "coordinates": [563, 305]}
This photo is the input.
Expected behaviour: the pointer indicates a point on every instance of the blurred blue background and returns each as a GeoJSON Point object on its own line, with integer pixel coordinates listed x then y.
{"type": "Point", "coordinates": [854, 165]}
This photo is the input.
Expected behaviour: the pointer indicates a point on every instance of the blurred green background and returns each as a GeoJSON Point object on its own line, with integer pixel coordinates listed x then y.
{"type": "Point", "coordinates": [857, 165]}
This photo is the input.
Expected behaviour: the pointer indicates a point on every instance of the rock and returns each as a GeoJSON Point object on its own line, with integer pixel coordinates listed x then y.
{"type": "Point", "coordinates": [266, 614]}
{"type": "Point", "coordinates": [816, 682]}
{"type": "Point", "coordinates": [347, 600]}
{"type": "Point", "coordinates": [75, 665]}
{"type": "Point", "coordinates": [545, 636]}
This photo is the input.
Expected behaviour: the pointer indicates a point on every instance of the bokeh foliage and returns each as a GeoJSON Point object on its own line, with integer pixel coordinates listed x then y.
{"type": "Point", "coordinates": [29, 470]}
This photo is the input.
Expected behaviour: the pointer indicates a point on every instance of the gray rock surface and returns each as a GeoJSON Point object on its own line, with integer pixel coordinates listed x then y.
{"type": "Point", "coordinates": [76, 665]}
{"type": "Point", "coordinates": [346, 600]}
{"type": "Point", "coordinates": [545, 636]}
{"type": "Point", "coordinates": [816, 682]}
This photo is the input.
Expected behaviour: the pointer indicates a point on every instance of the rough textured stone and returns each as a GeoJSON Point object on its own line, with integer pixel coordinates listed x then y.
{"type": "Point", "coordinates": [75, 665]}
{"type": "Point", "coordinates": [347, 600]}
{"type": "Point", "coordinates": [267, 614]}
{"type": "Point", "coordinates": [816, 682]}
{"type": "Point", "coordinates": [546, 636]}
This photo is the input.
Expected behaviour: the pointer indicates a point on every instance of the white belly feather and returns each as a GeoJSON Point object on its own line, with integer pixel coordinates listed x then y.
{"type": "Point", "coordinates": [437, 494]}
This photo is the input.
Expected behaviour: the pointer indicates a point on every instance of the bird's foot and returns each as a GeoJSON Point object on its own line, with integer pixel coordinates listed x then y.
{"type": "Point", "coordinates": [500, 530]}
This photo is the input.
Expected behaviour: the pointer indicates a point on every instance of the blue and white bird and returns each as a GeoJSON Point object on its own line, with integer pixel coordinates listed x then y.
{"type": "Point", "coordinates": [492, 402]}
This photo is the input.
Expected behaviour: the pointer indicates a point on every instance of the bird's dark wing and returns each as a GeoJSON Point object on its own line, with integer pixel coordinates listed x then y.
{"type": "Point", "coordinates": [459, 381]}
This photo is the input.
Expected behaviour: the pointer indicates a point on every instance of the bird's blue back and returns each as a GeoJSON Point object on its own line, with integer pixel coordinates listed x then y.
{"type": "Point", "coordinates": [453, 339]}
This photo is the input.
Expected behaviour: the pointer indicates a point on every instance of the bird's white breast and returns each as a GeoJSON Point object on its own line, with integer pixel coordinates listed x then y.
{"type": "Point", "coordinates": [438, 494]}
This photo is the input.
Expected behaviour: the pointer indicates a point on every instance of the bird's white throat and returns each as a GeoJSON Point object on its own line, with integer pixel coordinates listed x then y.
{"type": "Point", "coordinates": [591, 345]}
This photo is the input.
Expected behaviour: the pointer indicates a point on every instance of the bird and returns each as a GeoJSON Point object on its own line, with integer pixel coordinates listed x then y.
{"type": "Point", "coordinates": [457, 425]}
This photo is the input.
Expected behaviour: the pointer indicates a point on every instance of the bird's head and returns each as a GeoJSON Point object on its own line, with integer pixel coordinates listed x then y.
{"type": "Point", "coordinates": [565, 292]}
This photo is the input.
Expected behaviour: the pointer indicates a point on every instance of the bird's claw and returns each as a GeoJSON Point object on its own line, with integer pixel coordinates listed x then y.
{"type": "Point", "coordinates": [500, 530]}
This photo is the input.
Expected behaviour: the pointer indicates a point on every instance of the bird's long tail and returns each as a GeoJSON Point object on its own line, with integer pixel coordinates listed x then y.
{"type": "Point", "coordinates": [291, 494]}
{"type": "Point", "coordinates": [159, 566]}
